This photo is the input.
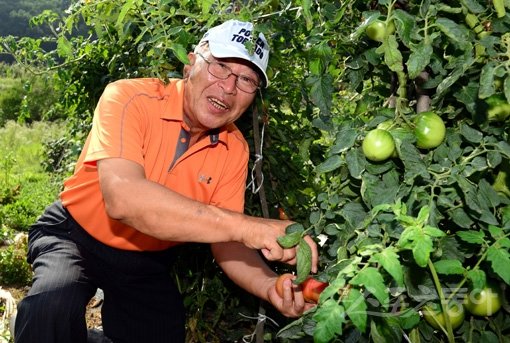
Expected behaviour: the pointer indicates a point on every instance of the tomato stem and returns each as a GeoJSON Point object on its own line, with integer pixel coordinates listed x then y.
{"type": "Point", "coordinates": [443, 301]}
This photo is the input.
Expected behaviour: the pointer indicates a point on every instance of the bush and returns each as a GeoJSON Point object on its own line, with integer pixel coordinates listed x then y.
{"type": "Point", "coordinates": [27, 200]}
{"type": "Point", "coordinates": [27, 97]}
{"type": "Point", "coordinates": [14, 269]}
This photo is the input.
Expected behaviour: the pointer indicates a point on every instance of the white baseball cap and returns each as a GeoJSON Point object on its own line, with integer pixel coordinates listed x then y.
{"type": "Point", "coordinates": [228, 40]}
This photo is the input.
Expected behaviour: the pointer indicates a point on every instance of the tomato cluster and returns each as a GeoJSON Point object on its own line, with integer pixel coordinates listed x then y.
{"type": "Point", "coordinates": [481, 302]}
{"type": "Point", "coordinates": [429, 131]}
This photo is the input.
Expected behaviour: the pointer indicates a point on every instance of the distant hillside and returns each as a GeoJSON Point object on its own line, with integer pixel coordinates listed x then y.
{"type": "Point", "coordinates": [15, 17]}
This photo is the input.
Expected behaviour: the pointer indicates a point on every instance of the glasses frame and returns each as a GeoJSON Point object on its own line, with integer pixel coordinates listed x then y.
{"type": "Point", "coordinates": [230, 73]}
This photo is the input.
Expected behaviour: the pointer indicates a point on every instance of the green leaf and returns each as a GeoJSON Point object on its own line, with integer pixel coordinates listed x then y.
{"type": "Point", "coordinates": [304, 261]}
{"type": "Point", "coordinates": [422, 248]}
{"type": "Point", "coordinates": [500, 260]}
{"type": "Point", "coordinates": [462, 64]}
{"type": "Point", "coordinates": [433, 231]}
{"type": "Point", "coordinates": [406, 25]}
{"type": "Point", "coordinates": [472, 135]}
{"type": "Point", "coordinates": [385, 330]}
{"type": "Point", "coordinates": [321, 88]}
{"type": "Point", "coordinates": [449, 267]}
{"type": "Point", "coordinates": [409, 319]}
{"type": "Point", "coordinates": [423, 215]}
{"type": "Point", "coordinates": [356, 162]}
{"type": "Point", "coordinates": [487, 80]}
{"type": "Point", "coordinates": [460, 217]}
{"type": "Point", "coordinates": [180, 52]}
{"type": "Point", "coordinates": [454, 31]}
{"type": "Point", "coordinates": [373, 282]}
{"type": "Point", "coordinates": [356, 308]}
{"type": "Point", "coordinates": [419, 59]}
{"type": "Point", "coordinates": [392, 55]}
{"type": "Point", "coordinates": [289, 240]}
{"type": "Point", "coordinates": [330, 317]}
{"type": "Point", "coordinates": [345, 139]}
{"type": "Point", "coordinates": [477, 277]}
{"type": "Point", "coordinates": [206, 6]}
{"type": "Point", "coordinates": [332, 163]}
{"type": "Point", "coordinates": [390, 261]}
{"type": "Point", "coordinates": [307, 14]}
{"type": "Point", "coordinates": [413, 162]}
{"type": "Point", "coordinates": [496, 232]}
{"type": "Point", "coordinates": [64, 47]}
{"type": "Point", "coordinates": [129, 4]}
{"type": "Point", "coordinates": [475, 237]}
{"type": "Point", "coordinates": [295, 227]}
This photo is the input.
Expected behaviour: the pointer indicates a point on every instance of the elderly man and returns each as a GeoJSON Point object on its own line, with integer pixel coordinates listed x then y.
{"type": "Point", "coordinates": [163, 165]}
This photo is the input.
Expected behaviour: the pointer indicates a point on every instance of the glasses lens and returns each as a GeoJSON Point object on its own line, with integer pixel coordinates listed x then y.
{"type": "Point", "coordinates": [246, 84]}
{"type": "Point", "coordinates": [221, 71]}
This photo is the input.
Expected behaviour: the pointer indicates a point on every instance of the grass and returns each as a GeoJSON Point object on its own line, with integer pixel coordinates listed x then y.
{"type": "Point", "coordinates": [21, 147]}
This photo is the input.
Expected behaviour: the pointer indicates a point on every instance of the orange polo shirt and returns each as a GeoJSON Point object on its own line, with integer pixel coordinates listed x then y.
{"type": "Point", "coordinates": [141, 120]}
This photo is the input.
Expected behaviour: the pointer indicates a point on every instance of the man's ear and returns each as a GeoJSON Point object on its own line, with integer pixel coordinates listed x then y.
{"type": "Point", "coordinates": [187, 68]}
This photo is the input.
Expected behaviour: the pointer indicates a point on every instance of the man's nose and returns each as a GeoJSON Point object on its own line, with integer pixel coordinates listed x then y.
{"type": "Point", "coordinates": [229, 84]}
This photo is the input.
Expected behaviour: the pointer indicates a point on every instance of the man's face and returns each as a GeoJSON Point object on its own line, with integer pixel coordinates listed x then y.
{"type": "Point", "coordinates": [210, 102]}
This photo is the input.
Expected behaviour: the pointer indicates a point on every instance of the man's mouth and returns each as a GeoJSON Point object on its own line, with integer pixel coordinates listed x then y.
{"type": "Point", "coordinates": [218, 104]}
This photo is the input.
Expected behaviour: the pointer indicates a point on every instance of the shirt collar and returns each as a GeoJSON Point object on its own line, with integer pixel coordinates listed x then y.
{"type": "Point", "coordinates": [173, 110]}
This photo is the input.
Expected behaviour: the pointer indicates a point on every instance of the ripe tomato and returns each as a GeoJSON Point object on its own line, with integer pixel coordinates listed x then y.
{"type": "Point", "coordinates": [378, 145]}
{"type": "Point", "coordinates": [435, 317]}
{"type": "Point", "coordinates": [377, 30]}
{"type": "Point", "coordinates": [483, 302]}
{"type": "Point", "coordinates": [282, 214]}
{"type": "Point", "coordinates": [312, 289]}
{"type": "Point", "coordinates": [279, 282]}
{"type": "Point", "coordinates": [429, 131]}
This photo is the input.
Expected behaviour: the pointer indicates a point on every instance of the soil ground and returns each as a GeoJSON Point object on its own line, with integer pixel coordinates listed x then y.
{"type": "Point", "coordinates": [93, 314]}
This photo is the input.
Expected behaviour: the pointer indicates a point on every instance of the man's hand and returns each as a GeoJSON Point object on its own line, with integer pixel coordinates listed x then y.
{"type": "Point", "coordinates": [292, 303]}
{"type": "Point", "coordinates": [263, 235]}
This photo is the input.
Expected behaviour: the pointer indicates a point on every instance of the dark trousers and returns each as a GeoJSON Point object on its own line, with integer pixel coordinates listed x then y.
{"type": "Point", "coordinates": [141, 301]}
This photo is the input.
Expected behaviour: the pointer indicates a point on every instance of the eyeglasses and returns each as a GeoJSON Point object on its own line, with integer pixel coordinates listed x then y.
{"type": "Point", "coordinates": [223, 72]}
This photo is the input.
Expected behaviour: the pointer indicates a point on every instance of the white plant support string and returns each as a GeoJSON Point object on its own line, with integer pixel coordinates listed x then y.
{"type": "Point", "coordinates": [258, 159]}
{"type": "Point", "coordinates": [259, 318]}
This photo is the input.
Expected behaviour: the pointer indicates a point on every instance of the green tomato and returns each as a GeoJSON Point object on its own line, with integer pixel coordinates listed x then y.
{"type": "Point", "coordinates": [499, 107]}
{"type": "Point", "coordinates": [378, 145]}
{"type": "Point", "coordinates": [436, 318]}
{"type": "Point", "coordinates": [377, 30]}
{"type": "Point", "coordinates": [429, 131]}
{"type": "Point", "coordinates": [483, 302]}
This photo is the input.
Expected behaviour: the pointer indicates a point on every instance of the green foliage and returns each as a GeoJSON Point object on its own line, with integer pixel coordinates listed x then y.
{"type": "Point", "coordinates": [401, 232]}
{"type": "Point", "coordinates": [27, 97]}
{"type": "Point", "coordinates": [217, 310]}
{"type": "Point", "coordinates": [14, 269]}
{"type": "Point", "coordinates": [23, 204]}
{"type": "Point", "coordinates": [25, 189]}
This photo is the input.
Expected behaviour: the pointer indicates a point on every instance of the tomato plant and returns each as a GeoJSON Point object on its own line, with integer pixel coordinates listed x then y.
{"type": "Point", "coordinates": [401, 233]}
